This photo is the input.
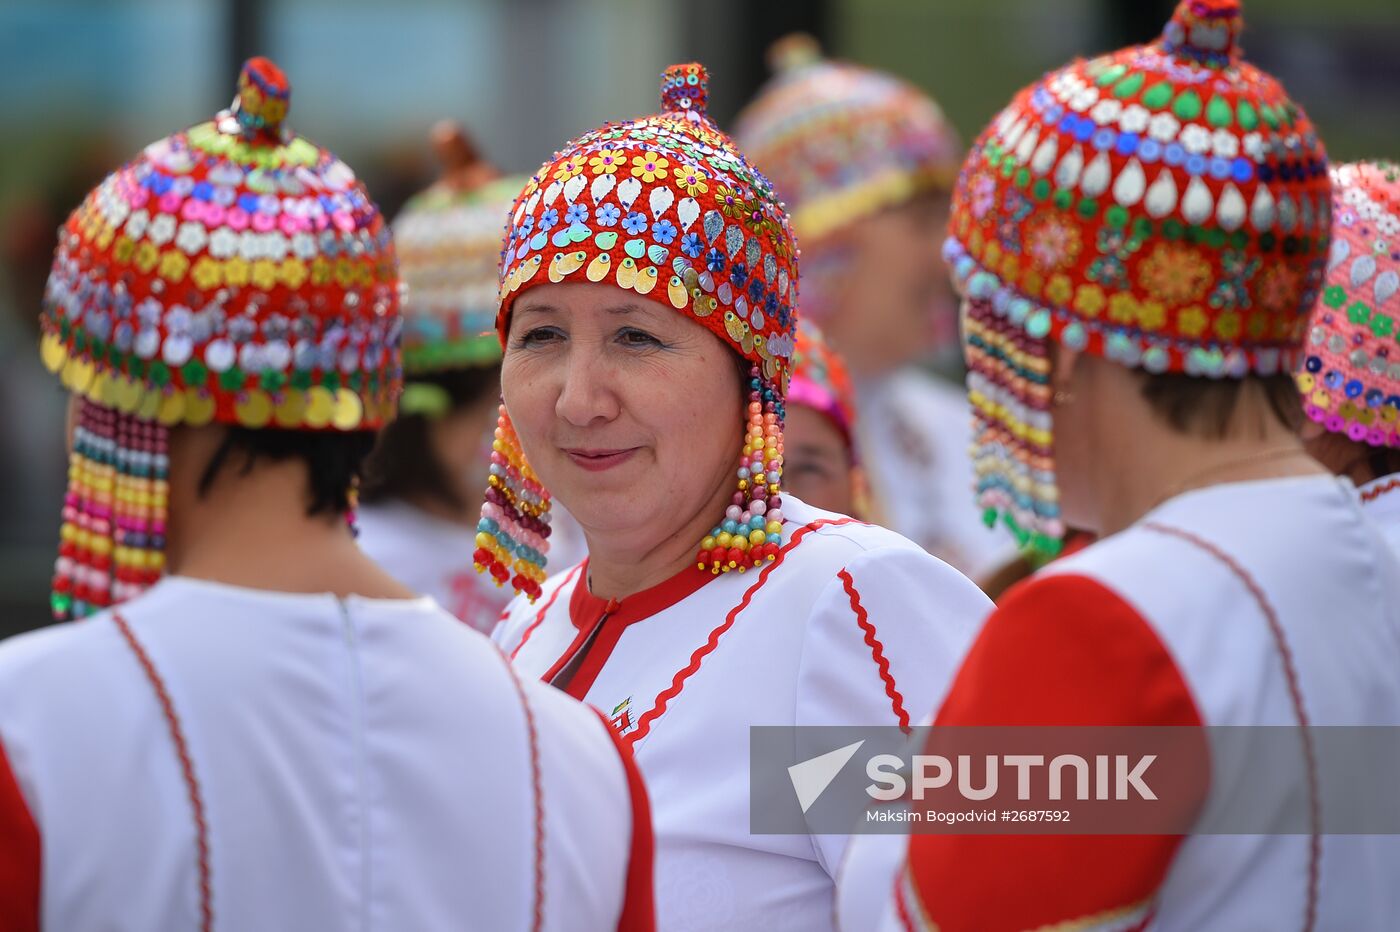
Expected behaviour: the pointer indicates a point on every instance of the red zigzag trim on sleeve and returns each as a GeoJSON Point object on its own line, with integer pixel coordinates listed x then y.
{"type": "Point", "coordinates": [177, 735]}
{"type": "Point", "coordinates": [877, 650]}
{"type": "Point", "coordinates": [537, 791]}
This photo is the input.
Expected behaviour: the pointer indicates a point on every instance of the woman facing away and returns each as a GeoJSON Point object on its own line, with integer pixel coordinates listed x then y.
{"type": "Point", "coordinates": [648, 313]}
{"type": "Point", "coordinates": [420, 493]}
{"type": "Point", "coordinates": [1131, 375]}
{"type": "Point", "coordinates": [244, 723]}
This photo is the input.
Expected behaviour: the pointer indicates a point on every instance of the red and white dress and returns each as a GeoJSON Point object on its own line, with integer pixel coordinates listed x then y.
{"type": "Point", "coordinates": [206, 756]}
{"type": "Point", "coordinates": [852, 625]}
{"type": "Point", "coordinates": [1274, 602]}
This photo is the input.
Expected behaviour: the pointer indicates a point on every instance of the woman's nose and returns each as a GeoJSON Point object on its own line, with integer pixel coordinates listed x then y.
{"type": "Point", "coordinates": [588, 393]}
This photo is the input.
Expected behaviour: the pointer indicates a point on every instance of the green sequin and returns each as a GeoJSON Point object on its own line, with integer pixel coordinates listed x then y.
{"type": "Point", "coordinates": [272, 380]}
{"type": "Point", "coordinates": [1116, 217]}
{"type": "Point", "coordinates": [1023, 177]}
{"type": "Point", "coordinates": [1041, 189]}
{"type": "Point", "coordinates": [1157, 96]}
{"type": "Point", "coordinates": [160, 374]}
{"type": "Point", "coordinates": [1088, 208]}
{"type": "Point", "coordinates": [231, 379]}
{"type": "Point", "coordinates": [194, 373]}
{"type": "Point", "coordinates": [1187, 105]}
{"type": "Point", "coordinates": [1247, 115]}
{"type": "Point", "coordinates": [1129, 86]}
{"type": "Point", "coordinates": [1218, 113]}
{"type": "Point", "coordinates": [301, 380]}
{"type": "Point", "coordinates": [1110, 74]}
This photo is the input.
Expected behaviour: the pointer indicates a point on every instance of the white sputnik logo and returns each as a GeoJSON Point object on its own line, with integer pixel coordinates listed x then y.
{"type": "Point", "coordinates": [811, 777]}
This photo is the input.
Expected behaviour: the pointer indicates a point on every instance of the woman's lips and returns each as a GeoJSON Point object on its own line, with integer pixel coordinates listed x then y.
{"type": "Point", "coordinates": [599, 460]}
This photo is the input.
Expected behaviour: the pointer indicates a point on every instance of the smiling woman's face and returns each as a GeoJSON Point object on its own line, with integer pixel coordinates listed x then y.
{"type": "Point", "coordinates": [630, 413]}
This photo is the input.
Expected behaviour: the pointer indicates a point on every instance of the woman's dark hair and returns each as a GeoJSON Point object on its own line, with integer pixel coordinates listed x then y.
{"type": "Point", "coordinates": [1203, 407]}
{"type": "Point", "coordinates": [333, 460]}
{"type": "Point", "coordinates": [402, 465]}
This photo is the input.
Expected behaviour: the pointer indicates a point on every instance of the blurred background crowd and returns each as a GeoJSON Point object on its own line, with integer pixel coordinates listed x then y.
{"type": "Point", "coordinates": [85, 83]}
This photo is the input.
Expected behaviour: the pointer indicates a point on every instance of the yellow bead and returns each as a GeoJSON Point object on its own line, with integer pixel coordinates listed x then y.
{"type": "Point", "coordinates": [724, 538]}
{"type": "Point", "coordinates": [485, 540]}
{"type": "Point", "coordinates": [774, 527]}
{"type": "Point", "coordinates": [757, 536]}
{"type": "Point", "coordinates": [708, 543]}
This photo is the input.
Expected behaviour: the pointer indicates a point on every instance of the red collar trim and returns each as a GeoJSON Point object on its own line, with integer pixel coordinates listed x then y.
{"type": "Point", "coordinates": [1377, 488]}
{"type": "Point", "coordinates": [585, 608]}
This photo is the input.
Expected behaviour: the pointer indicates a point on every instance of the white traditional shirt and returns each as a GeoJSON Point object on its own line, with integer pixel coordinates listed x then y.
{"type": "Point", "coordinates": [433, 556]}
{"type": "Point", "coordinates": [914, 431]}
{"type": "Point", "coordinates": [1272, 602]}
{"type": "Point", "coordinates": [852, 625]}
{"type": "Point", "coordinates": [206, 756]}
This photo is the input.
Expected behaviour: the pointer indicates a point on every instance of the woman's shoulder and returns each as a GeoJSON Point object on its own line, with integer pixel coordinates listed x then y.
{"type": "Point", "coordinates": [840, 551]}
{"type": "Point", "coordinates": [814, 530]}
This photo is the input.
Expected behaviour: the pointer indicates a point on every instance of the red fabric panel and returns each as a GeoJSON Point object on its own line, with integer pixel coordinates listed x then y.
{"type": "Point", "coordinates": [638, 907]}
{"type": "Point", "coordinates": [1060, 650]}
{"type": "Point", "coordinates": [19, 856]}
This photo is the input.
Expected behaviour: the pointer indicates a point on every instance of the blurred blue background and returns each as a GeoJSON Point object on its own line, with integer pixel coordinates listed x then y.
{"type": "Point", "coordinates": [84, 84]}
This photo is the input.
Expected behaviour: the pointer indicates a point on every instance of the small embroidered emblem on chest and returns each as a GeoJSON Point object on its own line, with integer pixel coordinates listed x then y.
{"type": "Point", "coordinates": [621, 717]}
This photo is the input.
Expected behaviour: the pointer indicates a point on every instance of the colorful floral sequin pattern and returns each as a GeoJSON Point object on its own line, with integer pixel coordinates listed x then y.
{"type": "Point", "coordinates": [449, 247]}
{"type": "Point", "coordinates": [841, 142]}
{"type": "Point", "coordinates": [232, 273]}
{"type": "Point", "coordinates": [1165, 206]}
{"type": "Point", "coordinates": [1350, 377]}
{"type": "Point", "coordinates": [667, 208]}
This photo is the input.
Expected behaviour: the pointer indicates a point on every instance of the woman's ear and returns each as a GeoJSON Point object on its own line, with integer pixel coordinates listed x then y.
{"type": "Point", "coordinates": [1311, 431]}
{"type": "Point", "coordinates": [1064, 364]}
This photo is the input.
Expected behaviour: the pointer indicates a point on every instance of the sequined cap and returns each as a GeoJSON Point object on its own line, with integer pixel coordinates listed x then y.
{"type": "Point", "coordinates": [1165, 206]}
{"type": "Point", "coordinates": [841, 142]}
{"type": "Point", "coordinates": [666, 207]}
{"type": "Point", "coordinates": [449, 244]}
{"type": "Point", "coordinates": [1350, 376]}
{"type": "Point", "coordinates": [232, 273]}
{"type": "Point", "coordinates": [665, 199]}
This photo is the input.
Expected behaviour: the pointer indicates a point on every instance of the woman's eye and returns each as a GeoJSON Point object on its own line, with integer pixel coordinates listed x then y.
{"type": "Point", "coordinates": [640, 338]}
{"type": "Point", "coordinates": [815, 470]}
{"type": "Point", "coordinates": [539, 336]}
